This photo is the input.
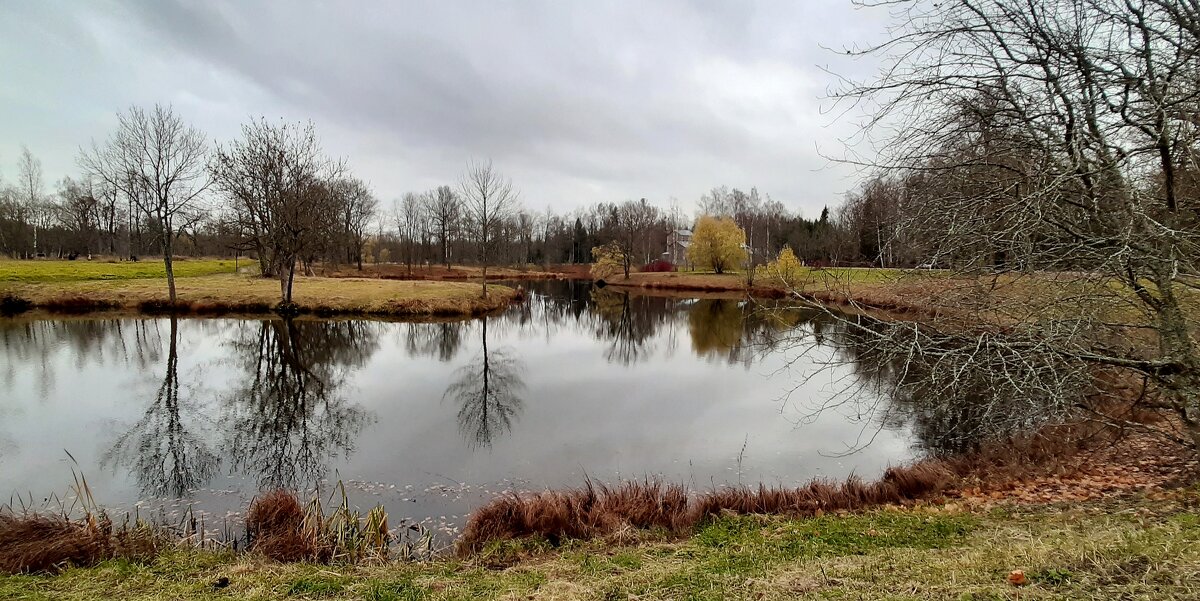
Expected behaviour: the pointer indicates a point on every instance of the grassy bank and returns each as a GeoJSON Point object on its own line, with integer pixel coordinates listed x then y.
{"type": "Point", "coordinates": [83, 270]}
{"type": "Point", "coordinates": [813, 279]}
{"type": "Point", "coordinates": [400, 271]}
{"type": "Point", "coordinates": [1130, 549]}
{"type": "Point", "coordinates": [232, 293]}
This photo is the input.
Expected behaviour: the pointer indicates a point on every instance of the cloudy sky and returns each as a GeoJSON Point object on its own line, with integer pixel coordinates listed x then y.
{"type": "Point", "coordinates": [577, 102]}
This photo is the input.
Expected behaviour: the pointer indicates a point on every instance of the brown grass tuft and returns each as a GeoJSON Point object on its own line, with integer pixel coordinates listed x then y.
{"type": "Point", "coordinates": [596, 510]}
{"type": "Point", "coordinates": [40, 543]}
{"type": "Point", "coordinates": [586, 512]}
{"type": "Point", "coordinates": [593, 511]}
{"type": "Point", "coordinates": [77, 304]}
{"type": "Point", "coordinates": [275, 524]}
{"type": "Point", "coordinates": [274, 512]}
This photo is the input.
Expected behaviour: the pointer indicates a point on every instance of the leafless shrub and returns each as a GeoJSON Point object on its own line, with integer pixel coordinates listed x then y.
{"type": "Point", "coordinates": [1047, 152]}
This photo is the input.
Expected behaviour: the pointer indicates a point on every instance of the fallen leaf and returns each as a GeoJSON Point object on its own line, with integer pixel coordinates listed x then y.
{"type": "Point", "coordinates": [1017, 578]}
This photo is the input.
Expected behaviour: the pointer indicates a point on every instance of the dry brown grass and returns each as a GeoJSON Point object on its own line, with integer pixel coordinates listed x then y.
{"type": "Point", "coordinates": [275, 524]}
{"type": "Point", "coordinates": [593, 511]}
{"type": "Point", "coordinates": [43, 543]}
{"type": "Point", "coordinates": [280, 528]}
{"type": "Point", "coordinates": [397, 271]}
{"type": "Point", "coordinates": [229, 293]}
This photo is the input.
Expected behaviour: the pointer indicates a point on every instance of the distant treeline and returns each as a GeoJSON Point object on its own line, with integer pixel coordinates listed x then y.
{"type": "Point", "coordinates": [229, 208]}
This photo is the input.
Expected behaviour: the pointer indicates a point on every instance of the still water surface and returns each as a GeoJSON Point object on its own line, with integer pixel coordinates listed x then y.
{"type": "Point", "coordinates": [430, 419]}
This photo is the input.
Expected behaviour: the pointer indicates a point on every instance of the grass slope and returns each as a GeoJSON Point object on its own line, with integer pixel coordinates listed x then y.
{"type": "Point", "coordinates": [82, 270]}
{"type": "Point", "coordinates": [337, 296]}
{"type": "Point", "coordinates": [1134, 549]}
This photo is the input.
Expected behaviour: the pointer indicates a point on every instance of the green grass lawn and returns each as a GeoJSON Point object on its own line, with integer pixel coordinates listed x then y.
{"type": "Point", "coordinates": [1132, 549]}
{"type": "Point", "coordinates": [82, 270]}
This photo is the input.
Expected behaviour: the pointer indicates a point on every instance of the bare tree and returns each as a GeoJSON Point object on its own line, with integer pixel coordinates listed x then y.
{"type": "Point", "coordinates": [158, 162]}
{"type": "Point", "coordinates": [409, 216]}
{"type": "Point", "coordinates": [489, 199]}
{"type": "Point", "coordinates": [444, 209]}
{"type": "Point", "coordinates": [1062, 133]}
{"type": "Point", "coordinates": [31, 207]}
{"type": "Point", "coordinates": [79, 211]}
{"type": "Point", "coordinates": [279, 185]}
{"type": "Point", "coordinates": [358, 209]}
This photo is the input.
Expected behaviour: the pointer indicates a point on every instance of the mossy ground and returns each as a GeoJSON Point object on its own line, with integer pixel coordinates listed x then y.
{"type": "Point", "coordinates": [1130, 549]}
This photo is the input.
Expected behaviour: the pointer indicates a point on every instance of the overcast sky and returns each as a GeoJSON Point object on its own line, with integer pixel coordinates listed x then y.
{"type": "Point", "coordinates": [577, 102]}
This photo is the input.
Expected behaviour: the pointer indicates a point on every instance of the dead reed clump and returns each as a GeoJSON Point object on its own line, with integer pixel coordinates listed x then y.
{"type": "Point", "coordinates": [646, 505]}
{"type": "Point", "coordinates": [593, 511]}
{"type": "Point", "coordinates": [275, 526]}
{"type": "Point", "coordinates": [919, 480]}
{"type": "Point", "coordinates": [47, 543]}
{"type": "Point", "coordinates": [280, 528]}
{"type": "Point", "coordinates": [586, 512]}
{"type": "Point", "coordinates": [37, 543]}
{"type": "Point", "coordinates": [77, 304]}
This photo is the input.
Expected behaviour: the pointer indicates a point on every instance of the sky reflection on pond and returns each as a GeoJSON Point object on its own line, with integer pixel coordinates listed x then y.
{"type": "Point", "coordinates": [429, 418]}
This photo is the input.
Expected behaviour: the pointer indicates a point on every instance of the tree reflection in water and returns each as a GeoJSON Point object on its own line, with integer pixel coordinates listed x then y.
{"type": "Point", "coordinates": [33, 342]}
{"type": "Point", "coordinates": [488, 393]}
{"type": "Point", "coordinates": [288, 419]}
{"type": "Point", "coordinates": [627, 323]}
{"type": "Point", "coordinates": [163, 449]}
{"type": "Point", "coordinates": [438, 340]}
{"type": "Point", "coordinates": [955, 392]}
{"type": "Point", "coordinates": [285, 416]}
{"type": "Point", "coordinates": [715, 326]}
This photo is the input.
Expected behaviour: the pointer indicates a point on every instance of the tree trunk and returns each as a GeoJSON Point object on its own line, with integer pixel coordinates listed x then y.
{"type": "Point", "coordinates": [290, 279]}
{"type": "Point", "coordinates": [167, 250]}
{"type": "Point", "coordinates": [283, 286]}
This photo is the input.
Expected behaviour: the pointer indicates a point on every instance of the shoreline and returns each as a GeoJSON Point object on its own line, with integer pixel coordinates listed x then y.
{"type": "Point", "coordinates": [1138, 545]}
{"type": "Point", "coordinates": [230, 294]}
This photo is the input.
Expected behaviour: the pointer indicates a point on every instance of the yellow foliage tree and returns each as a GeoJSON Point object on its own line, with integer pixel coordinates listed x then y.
{"type": "Point", "coordinates": [717, 244]}
{"type": "Point", "coordinates": [787, 269]}
{"type": "Point", "coordinates": [608, 260]}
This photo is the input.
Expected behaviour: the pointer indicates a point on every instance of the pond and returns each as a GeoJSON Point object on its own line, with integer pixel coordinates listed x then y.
{"type": "Point", "coordinates": [163, 415]}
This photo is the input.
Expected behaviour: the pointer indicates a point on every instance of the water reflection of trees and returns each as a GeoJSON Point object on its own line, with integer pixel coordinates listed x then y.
{"type": "Point", "coordinates": [163, 449]}
{"type": "Point", "coordinates": [287, 416]}
{"type": "Point", "coordinates": [630, 322]}
{"type": "Point", "coordinates": [33, 342]}
{"type": "Point", "coordinates": [488, 393]}
{"type": "Point", "coordinates": [284, 420]}
{"type": "Point", "coordinates": [627, 322]}
{"type": "Point", "coordinates": [955, 392]}
{"type": "Point", "coordinates": [439, 340]}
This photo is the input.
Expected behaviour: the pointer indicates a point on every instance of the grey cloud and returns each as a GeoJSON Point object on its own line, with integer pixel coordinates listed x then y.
{"type": "Point", "coordinates": [578, 102]}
